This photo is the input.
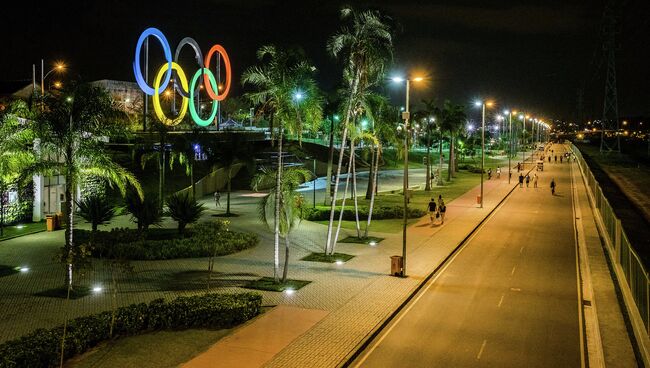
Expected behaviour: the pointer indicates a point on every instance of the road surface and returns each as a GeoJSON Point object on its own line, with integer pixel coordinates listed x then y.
{"type": "Point", "coordinates": [508, 299]}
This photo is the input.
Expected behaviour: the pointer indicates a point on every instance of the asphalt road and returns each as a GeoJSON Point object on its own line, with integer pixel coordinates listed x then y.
{"type": "Point", "coordinates": [508, 299]}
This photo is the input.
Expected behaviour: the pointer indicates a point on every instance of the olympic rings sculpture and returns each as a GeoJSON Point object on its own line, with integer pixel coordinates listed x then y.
{"type": "Point", "coordinates": [188, 91]}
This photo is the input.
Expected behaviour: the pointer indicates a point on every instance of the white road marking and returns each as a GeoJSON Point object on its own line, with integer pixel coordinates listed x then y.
{"type": "Point", "coordinates": [513, 271]}
{"type": "Point", "coordinates": [501, 300]}
{"type": "Point", "coordinates": [521, 250]}
{"type": "Point", "coordinates": [515, 289]}
{"type": "Point", "coordinates": [480, 352]}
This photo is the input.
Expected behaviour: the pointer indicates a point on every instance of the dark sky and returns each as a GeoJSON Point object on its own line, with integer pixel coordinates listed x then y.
{"type": "Point", "coordinates": [532, 54]}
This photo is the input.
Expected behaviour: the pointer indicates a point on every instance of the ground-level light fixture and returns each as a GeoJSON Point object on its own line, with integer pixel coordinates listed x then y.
{"type": "Point", "coordinates": [339, 262]}
{"type": "Point", "coordinates": [289, 291]}
{"type": "Point", "coordinates": [372, 243]}
{"type": "Point", "coordinates": [22, 269]}
{"type": "Point", "coordinates": [97, 289]}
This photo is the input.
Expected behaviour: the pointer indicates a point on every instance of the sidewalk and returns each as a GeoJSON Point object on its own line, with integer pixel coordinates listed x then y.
{"type": "Point", "coordinates": [608, 341]}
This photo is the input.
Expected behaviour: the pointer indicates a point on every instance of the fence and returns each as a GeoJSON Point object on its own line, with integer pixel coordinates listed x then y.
{"type": "Point", "coordinates": [634, 279]}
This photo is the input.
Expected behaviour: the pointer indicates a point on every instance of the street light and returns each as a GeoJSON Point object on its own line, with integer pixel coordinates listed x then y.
{"type": "Point", "coordinates": [509, 113]}
{"type": "Point", "coordinates": [482, 104]}
{"type": "Point", "coordinates": [405, 116]}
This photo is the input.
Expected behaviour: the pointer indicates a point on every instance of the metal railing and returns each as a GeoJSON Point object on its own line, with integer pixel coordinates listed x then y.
{"type": "Point", "coordinates": [620, 250]}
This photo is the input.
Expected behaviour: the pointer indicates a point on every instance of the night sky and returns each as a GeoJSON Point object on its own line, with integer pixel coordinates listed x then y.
{"type": "Point", "coordinates": [529, 54]}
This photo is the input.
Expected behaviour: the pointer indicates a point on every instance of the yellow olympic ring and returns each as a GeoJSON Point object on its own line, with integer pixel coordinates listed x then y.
{"type": "Point", "coordinates": [156, 97]}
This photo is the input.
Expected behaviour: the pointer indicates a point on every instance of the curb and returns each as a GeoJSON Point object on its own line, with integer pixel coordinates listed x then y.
{"type": "Point", "coordinates": [19, 235]}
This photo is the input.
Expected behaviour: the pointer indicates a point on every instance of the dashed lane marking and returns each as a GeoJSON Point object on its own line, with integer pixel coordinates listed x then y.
{"type": "Point", "coordinates": [480, 352]}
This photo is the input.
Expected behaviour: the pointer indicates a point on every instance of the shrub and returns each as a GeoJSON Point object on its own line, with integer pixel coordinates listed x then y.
{"type": "Point", "coordinates": [41, 347]}
{"type": "Point", "coordinates": [203, 240]}
{"type": "Point", "coordinates": [184, 210]}
{"type": "Point", "coordinates": [143, 212]}
{"type": "Point", "coordinates": [378, 213]}
{"type": "Point", "coordinates": [96, 209]}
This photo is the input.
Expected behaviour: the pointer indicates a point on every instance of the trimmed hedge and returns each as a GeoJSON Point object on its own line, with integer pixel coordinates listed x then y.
{"type": "Point", "coordinates": [203, 240]}
{"type": "Point", "coordinates": [41, 348]}
{"type": "Point", "coordinates": [378, 213]}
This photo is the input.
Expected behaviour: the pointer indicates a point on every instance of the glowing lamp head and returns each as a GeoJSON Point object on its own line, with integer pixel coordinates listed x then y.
{"type": "Point", "coordinates": [336, 118]}
{"type": "Point", "coordinates": [478, 103]}
{"type": "Point", "coordinates": [506, 112]}
{"type": "Point", "coordinates": [397, 79]}
{"type": "Point", "coordinates": [298, 96]}
{"type": "Point", "coordinates": [418, 79]}
{"type": "Point", "coordinates": [489, 104]}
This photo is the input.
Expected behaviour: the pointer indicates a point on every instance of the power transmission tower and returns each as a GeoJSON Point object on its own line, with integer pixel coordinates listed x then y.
{"type": "Point", "coordinates": [609, 139]}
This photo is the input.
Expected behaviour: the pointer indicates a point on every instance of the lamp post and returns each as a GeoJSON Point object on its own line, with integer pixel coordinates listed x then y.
{"type": "Point", "coordinates": [405, 116]}
{"type": "Point", "coordinates": [523, 132]}
{"type": "Point", "coordinates": [57, 68]}
{"type": "Point", "coordinates": [482, 104]}
{"type": "Point", "coordinates": [509, 113]}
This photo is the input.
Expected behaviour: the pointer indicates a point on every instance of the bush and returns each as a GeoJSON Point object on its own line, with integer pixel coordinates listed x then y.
{"type": "Point", "coordinates": [41, 347]}
{"type": "Point", "coordinates": [184, 210]}
{"type": "Point", "coordinates": [378, 213]}
{"type": "Point", "coordinates": [203, 240]}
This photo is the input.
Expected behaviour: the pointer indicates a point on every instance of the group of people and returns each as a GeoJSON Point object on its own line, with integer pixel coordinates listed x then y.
{"type": "Point", "coordinates": [437, 210]}
{"type": "Point", "coordinates": [489, 173]}
{"type": "Point", "coordinates": [527, 178]}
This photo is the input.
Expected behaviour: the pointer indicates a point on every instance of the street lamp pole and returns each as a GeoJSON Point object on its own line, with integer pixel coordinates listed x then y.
{"type": "Point", "coordinates": [405, 116]}
{"type": "Point", "coordinates": [315, 177]}
{"type": "Point", "coordinates": [482, 148]}
{"type": "Point", "coordinates": [509, 143]}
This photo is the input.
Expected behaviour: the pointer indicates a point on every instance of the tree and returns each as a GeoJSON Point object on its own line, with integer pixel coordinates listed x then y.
{"type": "Point", "coordinates": [184, 210]}
{"type": "Point", "coordinates": [285, 88]}
{"type": "Point", "coordinates": [184, 147]}
{"type": "Point", "coordinates": [159, 154]}
{"type": "Point", "coordinates": [16, 152]}
{"type": "Point", "coordinates": [291, 203]}
{"type": "Point", "coordinates": [428, 122]}
{"type": "Point", "coordinates": [71, 132]}
{"type": "Point", "coordinates": [144, 211]}
{"type": "Point", "coordinates": [365, 47]}
{"type": "Point", "coordinates": [226, 154]}
{"type": "Point", "coordinates": [96, 210]}
{"type": "Point", "coordinates": [453, 119]}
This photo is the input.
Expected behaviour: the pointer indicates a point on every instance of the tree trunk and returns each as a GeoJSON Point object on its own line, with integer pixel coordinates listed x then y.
{"type": "Point", "coordinates": [192, 179]}
{"type": "Point", "coordinates": [278, 195]}
{"type": "Point", "coordinates": [345, 194]}
{"type": "Point", "coordinates": [427, 186]}
{"type": "Point", "coordinates": [354, 195]}
{"type": "Point", "coordinates": [228, 191]}
{"type": "Point", "coordinates": [330, 159]}
{"type": "Point", "coordinates": [440, 162]}
{"type": "Point", "coordinates": [69, 228]}
{"type": "Point", "coordinates": [370, 189]}
{"type": "Point", "coordinates": [450, 165]}
{"type": "Point", "coordinates": [374, 185]}
{"type": "Point", "coordinates": [329, 246]}
{"type": "Point", "coordinates": [286, 258]}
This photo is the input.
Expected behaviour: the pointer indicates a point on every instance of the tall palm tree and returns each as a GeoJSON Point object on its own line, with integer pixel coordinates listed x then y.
{"type": "Point", "coordinates": [429, 114]}
{"type": "Point", "coordinates": [233, 150]}
{"type": "Point", "coordinates": [285, 88]}
{"type": "Point", "coordinates": [453, 119]}
{"type": "Point", "coordinates": [365, 47]}
{"type": "Point", "coordinates": [291, 203]}
{"type": "Point", "coordinates": [160, 155]}
{"type": "Point", "coordinates": [71, 134]}
{"type": "Point", "coordinates": [184, 147]}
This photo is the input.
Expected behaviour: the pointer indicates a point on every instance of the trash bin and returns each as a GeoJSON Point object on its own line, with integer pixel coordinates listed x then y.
{"type": "Point", "coordinates": [478, 199]}
{"type": "Point", "coordinates": [396, 265]}
{"type": "Point", "coordinates": [49, 221]}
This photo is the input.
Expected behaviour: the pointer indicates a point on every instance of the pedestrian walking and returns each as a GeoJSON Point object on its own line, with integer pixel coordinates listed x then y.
{"type": "Point", "coordinates": [217, 197]}
{"type": "Point", "coordinates": [527, 180]}
{"type": "Point", "coordinates": [518, 166]}
{"type": "Point", "coordinates": [443, 209]}
{"type": "Point", "coordinates": [521, 180]}
{"type": "Point", "coordinates": [489, 173]}
{"type": "Point", "coordinates": [555, 158]}
{"type": "Point", "coordinates": [432, 209]}
{"type": "Point", "coordinates": [498, 172]}
{"type": "Point", "coordinates": [535, 181]}
{"type": "Point", "coordinates": [553, 186]}
{"type": "Point", "coordinates": [549, 159]}
{"type": "Point", "coordinates": [561, 159]}
{"type": "Point", "coordinates": [440, 201]}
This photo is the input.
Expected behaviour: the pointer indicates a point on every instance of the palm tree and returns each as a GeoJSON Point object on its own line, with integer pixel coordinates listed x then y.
{"type": "Point", "coordinates": [159, 154]}
{"type": "Point", "coordinates": [285, 88]}
{"type": "Point", "coordinates": [144, 211]}
{"type": "Point", "coordinates": [291, 203]}
{"type": "Point", "coordinates": [428, 120]}
{"type": "Point", "coordinates": [71, 132]}
{"type": "Point", "coordinates": [227, 154]}
{"type": "Point", "coordinates": [15, 151]}
{"type": "Point", "coordinates": [184, 152]}
{"type": "Point", "coordinates": [453, 119]}
{"type": "Point", "coordinates": [365, 47]}
{"type": "Point", "coordinates": [96, 210]}
{"type": "Point", "coordinates": [184, 210]}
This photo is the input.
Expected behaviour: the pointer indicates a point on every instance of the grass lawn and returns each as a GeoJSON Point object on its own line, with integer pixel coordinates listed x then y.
{"type": "Point", "coordinates": [268, 284]}
{"type": "Point", "coordinates": [27, 228]}
{"type": "Point", "coordinates": [151, 350]}
{"type": "Point", "coordinates": [325, 258]}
